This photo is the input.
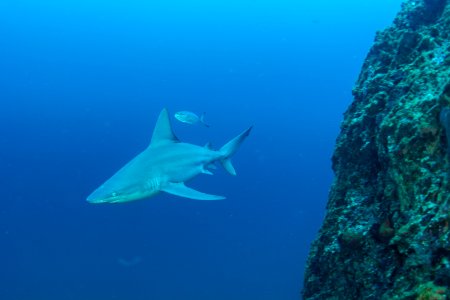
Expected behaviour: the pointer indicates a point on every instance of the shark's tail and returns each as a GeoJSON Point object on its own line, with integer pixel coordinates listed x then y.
{"type": "Point", "coordinates": [230, 148]}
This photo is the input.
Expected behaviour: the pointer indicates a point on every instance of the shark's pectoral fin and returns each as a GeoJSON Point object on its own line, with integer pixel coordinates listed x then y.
{"type": "Point", "coordinates": [179, 189]}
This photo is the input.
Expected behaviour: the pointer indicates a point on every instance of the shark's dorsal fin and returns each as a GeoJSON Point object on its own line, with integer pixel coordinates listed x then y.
{"type": "Point", "coordinates": [163, 131]}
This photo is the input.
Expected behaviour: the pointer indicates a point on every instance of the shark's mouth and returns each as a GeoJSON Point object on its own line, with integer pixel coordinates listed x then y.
{"type": "Point", "coordinates": [100, 196]}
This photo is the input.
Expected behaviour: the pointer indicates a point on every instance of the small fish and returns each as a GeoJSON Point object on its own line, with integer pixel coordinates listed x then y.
{"type": "Point", "coordinates": [190, 118]}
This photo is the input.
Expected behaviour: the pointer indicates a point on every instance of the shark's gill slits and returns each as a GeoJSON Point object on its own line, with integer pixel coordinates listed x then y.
{"type": "Point", "coordinates": [154, 184]}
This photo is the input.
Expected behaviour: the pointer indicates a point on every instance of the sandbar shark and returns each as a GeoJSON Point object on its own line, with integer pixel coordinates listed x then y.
{"type": "Point", "coordinates": [164, 166]}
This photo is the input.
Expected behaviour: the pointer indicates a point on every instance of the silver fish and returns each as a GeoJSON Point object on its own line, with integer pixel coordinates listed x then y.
{"type": "Point", "coordinates": [190, 117]}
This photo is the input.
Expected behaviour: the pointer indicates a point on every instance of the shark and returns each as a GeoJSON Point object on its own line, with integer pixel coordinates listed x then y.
{"type": "Point", "coordinates": [165, 166]}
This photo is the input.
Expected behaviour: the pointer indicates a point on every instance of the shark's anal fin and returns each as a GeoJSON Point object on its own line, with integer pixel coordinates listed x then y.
{"type": "Point", "coordinates": [179, 189]}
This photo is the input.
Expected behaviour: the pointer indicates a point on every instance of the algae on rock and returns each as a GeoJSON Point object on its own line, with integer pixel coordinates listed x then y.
{"type": "Point", "coordinates": [386, 234]}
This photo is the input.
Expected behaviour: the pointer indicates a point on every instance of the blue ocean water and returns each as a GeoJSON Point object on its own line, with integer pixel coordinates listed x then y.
{"type": "Point", "coordinates": [81, 86]}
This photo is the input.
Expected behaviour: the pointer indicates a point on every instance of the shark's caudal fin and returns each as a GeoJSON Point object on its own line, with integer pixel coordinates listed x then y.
{"type": "Point", "coordinates": [163, 132]}
{"type": "Point", "coordinates": [230, 148]}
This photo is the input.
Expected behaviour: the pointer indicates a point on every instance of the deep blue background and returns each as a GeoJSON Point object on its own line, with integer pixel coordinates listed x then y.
{"type": "Point", "coordinates": [81, 85]}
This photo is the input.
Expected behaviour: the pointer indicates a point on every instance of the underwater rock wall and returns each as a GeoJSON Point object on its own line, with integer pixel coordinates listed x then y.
{"type": "Point", "coordinates": [386, 234]}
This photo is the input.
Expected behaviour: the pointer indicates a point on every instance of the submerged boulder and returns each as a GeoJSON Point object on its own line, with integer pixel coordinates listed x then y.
{"type": "Point", "coordinates": [386, 234]}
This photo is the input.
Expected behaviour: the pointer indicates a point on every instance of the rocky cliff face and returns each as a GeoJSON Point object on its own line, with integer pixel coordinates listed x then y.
{"type": "Point", "coordinates": [386, 234]}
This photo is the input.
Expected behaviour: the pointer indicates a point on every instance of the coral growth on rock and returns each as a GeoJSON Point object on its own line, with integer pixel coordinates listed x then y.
{"type": "Point", "coordinates": [386, 234]}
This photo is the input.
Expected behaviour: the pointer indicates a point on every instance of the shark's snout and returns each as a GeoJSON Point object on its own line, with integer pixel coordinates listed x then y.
{"type": "Point", "coordinates": [101, 196]}
{"type": "Point", "coordinates": [108, 194]}
{"type": "Point", "coordinates": [93, 199]}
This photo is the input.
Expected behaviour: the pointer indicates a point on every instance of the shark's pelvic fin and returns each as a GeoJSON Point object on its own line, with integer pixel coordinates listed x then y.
{"type": "Point", "coordinates": [163, 131]}
{"type": "Point", "coordinates": [230, 148]}
{"type": "Point", "coordinates": [207, 172]}
{"type": "Point", "coordinates": [179, 189]}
